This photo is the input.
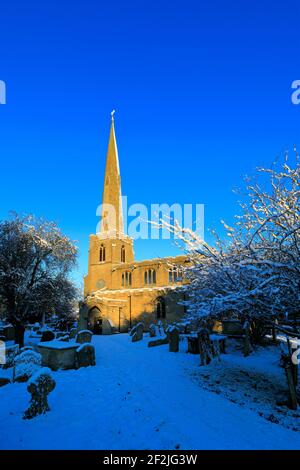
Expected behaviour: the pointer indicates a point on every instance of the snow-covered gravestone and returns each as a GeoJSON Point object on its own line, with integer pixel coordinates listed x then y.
{"type": "Point", "coordinates": [84, 336]}
{"type": "Point", "coordinates": [138, 332]}
{"type": "Point", "coordinates": [40, 385]}
{"type": "Point", "coordinates": [26, 364]}
{"type": "Point", "coordinates": [153, 330]}
{"type": "Point", "coordinates": [132, 331]}
{"type": "Point", "coordinates": [173, 333]}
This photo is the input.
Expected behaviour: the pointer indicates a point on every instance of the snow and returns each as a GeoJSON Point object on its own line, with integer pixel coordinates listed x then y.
{"type": "Point", "coordinates": [56, 344]}
{"type": "Point", "coordinates": [83, 346]}
{"type": "Point", "coordinates": [42, 371]}
{"type": "Point", "coordinates": [142, 398]}
{"type": "Point", "coordinates": [27, 363]}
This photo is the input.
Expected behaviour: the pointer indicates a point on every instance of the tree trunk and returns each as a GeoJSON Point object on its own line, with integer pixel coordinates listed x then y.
{"type": "Point", "coordinates": [246, 328]}
{"type": "Point", "coordinates": [291, 386]}
{"type": "Point", "coordinates": [19, 334]}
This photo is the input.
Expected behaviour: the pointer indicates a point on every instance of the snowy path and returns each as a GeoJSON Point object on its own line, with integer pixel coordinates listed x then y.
{"type": "Point", "coordinates": [135, 398]}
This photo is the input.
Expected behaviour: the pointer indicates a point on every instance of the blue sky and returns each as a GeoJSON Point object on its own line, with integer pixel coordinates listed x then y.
{"type": "Point", "coordinates": [202, 92]}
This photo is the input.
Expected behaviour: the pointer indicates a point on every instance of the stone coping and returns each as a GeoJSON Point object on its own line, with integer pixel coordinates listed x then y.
{"type": "Point", "coordinates": [58, 345]}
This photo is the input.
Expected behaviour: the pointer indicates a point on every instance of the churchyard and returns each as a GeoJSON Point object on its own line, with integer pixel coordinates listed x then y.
{"type": "Point", "coordinates": [164, 387]}
{"type": "Point", "coordinates": [223, 375]}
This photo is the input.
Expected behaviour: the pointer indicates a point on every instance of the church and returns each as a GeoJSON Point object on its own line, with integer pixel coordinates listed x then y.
{"type": "Point", "coordinates": [119, 291]}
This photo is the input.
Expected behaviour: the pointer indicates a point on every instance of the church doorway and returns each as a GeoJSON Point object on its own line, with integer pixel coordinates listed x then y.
{"type": "Point", "coordinates": [97, 324]}
{"type": "Point", "coordinates": [95, 321]}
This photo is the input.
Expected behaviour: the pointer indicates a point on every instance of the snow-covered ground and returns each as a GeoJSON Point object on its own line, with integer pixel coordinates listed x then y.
{"type": "Point", "coordinates": [147, 398]}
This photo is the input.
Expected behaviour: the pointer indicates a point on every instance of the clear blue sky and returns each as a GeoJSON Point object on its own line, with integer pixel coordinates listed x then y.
{"type": "Point", "coordinates": [201, 89]}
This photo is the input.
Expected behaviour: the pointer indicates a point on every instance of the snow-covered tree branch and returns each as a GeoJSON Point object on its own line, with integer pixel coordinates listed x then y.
{"type": "Point", "coordinates": [254, 273]}
{"type": "Point", "coordinates": [35, 261]}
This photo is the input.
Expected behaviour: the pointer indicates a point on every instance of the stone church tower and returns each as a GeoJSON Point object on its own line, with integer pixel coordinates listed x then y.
{"type": "Point", "coordinates": [120, 291]}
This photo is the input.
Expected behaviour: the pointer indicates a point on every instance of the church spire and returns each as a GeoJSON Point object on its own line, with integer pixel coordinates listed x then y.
{"type": "Point", "coordinates": [112, 215]}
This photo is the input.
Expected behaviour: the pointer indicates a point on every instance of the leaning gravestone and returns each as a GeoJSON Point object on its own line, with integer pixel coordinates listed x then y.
{"type": "Point", "coordinates": [40, 385]}
{"type": "Point", "coordinates": [26, 364]}
{"type": "Point", "coordinates": [138, 326]}
{"type": "Point", "coordinates": [132, 331]}
{"type": "Point", "coordinates": [173, 333]}
{"type": "Point", "coordinates": [138, 332]}
{"type": "Point", "coordinates": [47, 335]}
{"type": "Point", "coordinates": [152, 330]}
{"type": "Point", "coordinates": [84, 336]}
{"type": "Point", "coordinates": [85, 356]}
{"type": "Point", "coordinates": [160, 328]}
{"type": "Point", "coordinates": [135, 337]}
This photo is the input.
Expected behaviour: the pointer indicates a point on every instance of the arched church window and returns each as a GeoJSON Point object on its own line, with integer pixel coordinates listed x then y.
{"type": "Point", "coordinates": [102, 253]}
{"type": "Point", "coordinates": [161, 308]}
{"type": "Point", "coordinates": [123, 258]}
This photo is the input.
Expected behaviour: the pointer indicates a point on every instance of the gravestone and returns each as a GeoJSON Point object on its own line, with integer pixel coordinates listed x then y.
{"type": "Point", "coordinates": [138, 326]}
{"type": "Point", "coordinates": [8, 332]}
{"type": "Point", "coordinates": [135, 337]}
{"type": "Point", "coordinates": [85, 356]}
{"type": "Point", "coordinates": [160, 328]}
{"type": "Point", "coordinates": [152, 330]}
{"type": "Point", "coordinates": [138, 332]}
{"type": "Point", "coordinates": [84, 336]}
{"type": "Point", "coordinates": [173, 339]}
{"type": "Point", "coordinates": [132, 331]}
{"type": "Point", "coordinates": [158, 341]}
{"type": "Point", "coordinates": [10, 354]}
{"type": "Point", "coordinates": [47, 335]}
{"type": "Point", "coordinates": [25, 365]}
{"type": "Point", "coordinates": [58, 354]}
{"type": "Point", "coordinates": [40, 385]}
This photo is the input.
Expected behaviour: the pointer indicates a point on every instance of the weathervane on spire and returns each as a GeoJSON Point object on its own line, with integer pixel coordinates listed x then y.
{"type": "Point", "coordinates": [112, 114]}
